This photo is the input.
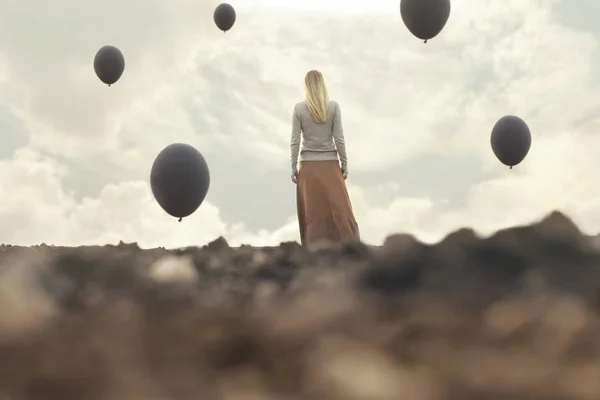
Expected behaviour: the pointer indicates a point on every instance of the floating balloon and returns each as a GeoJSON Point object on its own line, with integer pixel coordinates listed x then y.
{"type": "Point", "coordinates": [511, 140]}
{"type": "Point", "coordinates": [109, 64]}
{"type": "Point", "coordinates": [224, 16]}
{"type": "Point", "coordinates": [179, 179]}
{"type": "Point", "coordinates": [425, 19]}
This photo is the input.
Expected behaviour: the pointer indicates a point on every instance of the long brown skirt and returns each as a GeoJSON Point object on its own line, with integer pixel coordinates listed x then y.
{"type": "Point", "coordinates": [324, 208]}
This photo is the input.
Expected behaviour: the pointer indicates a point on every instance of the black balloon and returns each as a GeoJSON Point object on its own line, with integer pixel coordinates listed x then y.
{"type": "Point", "coordinates": [511, 140]}
{"type": "Point", "coordinates": [109, 64]}
{"type": "Point", "coordinates": [425, 19]}
{"type": "Point", "coordinates": [179, 179]}
{"type": "Point", "coordinates": [224, 16]}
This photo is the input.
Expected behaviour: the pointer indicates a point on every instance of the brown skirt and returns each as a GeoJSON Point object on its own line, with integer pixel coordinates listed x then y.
{"type": "Point", "coordinates": [324, 208]}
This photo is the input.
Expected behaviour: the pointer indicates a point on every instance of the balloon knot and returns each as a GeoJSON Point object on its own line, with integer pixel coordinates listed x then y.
{"type": "Point", "coordinates": [425, 41]}
{"type": "Point", "coordinates": [180, 219]}
{"type": "Point", "coordinates": [510, 167]}
{"type": "Point", "coordinates": [109, 85]}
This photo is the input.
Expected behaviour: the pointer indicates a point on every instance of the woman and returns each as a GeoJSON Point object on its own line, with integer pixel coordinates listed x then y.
{"type": "Point", "coordinates": [324, 208]}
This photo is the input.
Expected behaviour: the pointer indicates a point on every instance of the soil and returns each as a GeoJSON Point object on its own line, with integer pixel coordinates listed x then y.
{"type": "Point", "coordinates": [510, 316]}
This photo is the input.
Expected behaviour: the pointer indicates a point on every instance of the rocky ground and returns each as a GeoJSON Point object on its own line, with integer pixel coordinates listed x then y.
{"type": "Point", "coordinates": [512, 316]}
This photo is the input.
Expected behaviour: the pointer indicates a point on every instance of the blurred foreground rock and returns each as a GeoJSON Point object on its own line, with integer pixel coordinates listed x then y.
{"type": "Point", "coordinates": [511, 316]}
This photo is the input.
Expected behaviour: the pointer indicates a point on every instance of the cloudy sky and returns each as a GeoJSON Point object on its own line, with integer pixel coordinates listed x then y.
{"type": "Point", "coordinates": [75, 155]}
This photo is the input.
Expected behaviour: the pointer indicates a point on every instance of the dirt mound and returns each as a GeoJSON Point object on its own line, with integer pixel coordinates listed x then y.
{"type": "Point", "coordinates": [512, 316]}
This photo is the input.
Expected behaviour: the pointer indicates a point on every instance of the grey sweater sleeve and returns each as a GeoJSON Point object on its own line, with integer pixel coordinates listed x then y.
{"type": "Point", "coordinates": [295, 140]}
{"type": "Point", "coordinates": [338, 137]}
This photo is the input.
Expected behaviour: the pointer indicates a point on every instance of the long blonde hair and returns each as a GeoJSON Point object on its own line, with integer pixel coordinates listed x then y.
{"type": "Point", "coordinates": [316, 96]}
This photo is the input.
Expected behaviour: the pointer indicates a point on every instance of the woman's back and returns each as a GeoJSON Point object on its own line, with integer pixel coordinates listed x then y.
{"type": "Point", "coordinates": [317, 136]}
{"type": "Point", "coordinates": [320, 141]}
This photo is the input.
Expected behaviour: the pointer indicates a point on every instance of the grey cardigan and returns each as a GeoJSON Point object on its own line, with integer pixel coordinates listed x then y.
{"type": "Point", "coordinates": [317, 139]}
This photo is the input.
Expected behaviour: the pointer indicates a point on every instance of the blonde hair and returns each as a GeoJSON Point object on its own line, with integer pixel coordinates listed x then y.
{"type": "Point", "coordinates": [316, 96]}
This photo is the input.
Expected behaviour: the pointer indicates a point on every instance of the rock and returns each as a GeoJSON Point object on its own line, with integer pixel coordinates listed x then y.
{"type": "Point", "coordinates": [218, 244]}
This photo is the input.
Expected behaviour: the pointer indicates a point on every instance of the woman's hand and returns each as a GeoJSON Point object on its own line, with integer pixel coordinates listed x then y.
{"type": "Point", "coordinates": [345, 174]}
{"type": "Point", "coordinates": [294, 177]}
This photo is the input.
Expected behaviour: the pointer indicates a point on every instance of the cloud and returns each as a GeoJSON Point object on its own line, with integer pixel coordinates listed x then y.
{"type": "Point", "coordinates": [417, 117]}
{"type": "Point", "coordinates": [49, 50]}
{"type": "Point", "coordinates": [36, 208]}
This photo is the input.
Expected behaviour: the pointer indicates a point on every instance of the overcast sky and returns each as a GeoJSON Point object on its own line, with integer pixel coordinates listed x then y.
{"type": "Point", "coordinates": [76, 155]}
